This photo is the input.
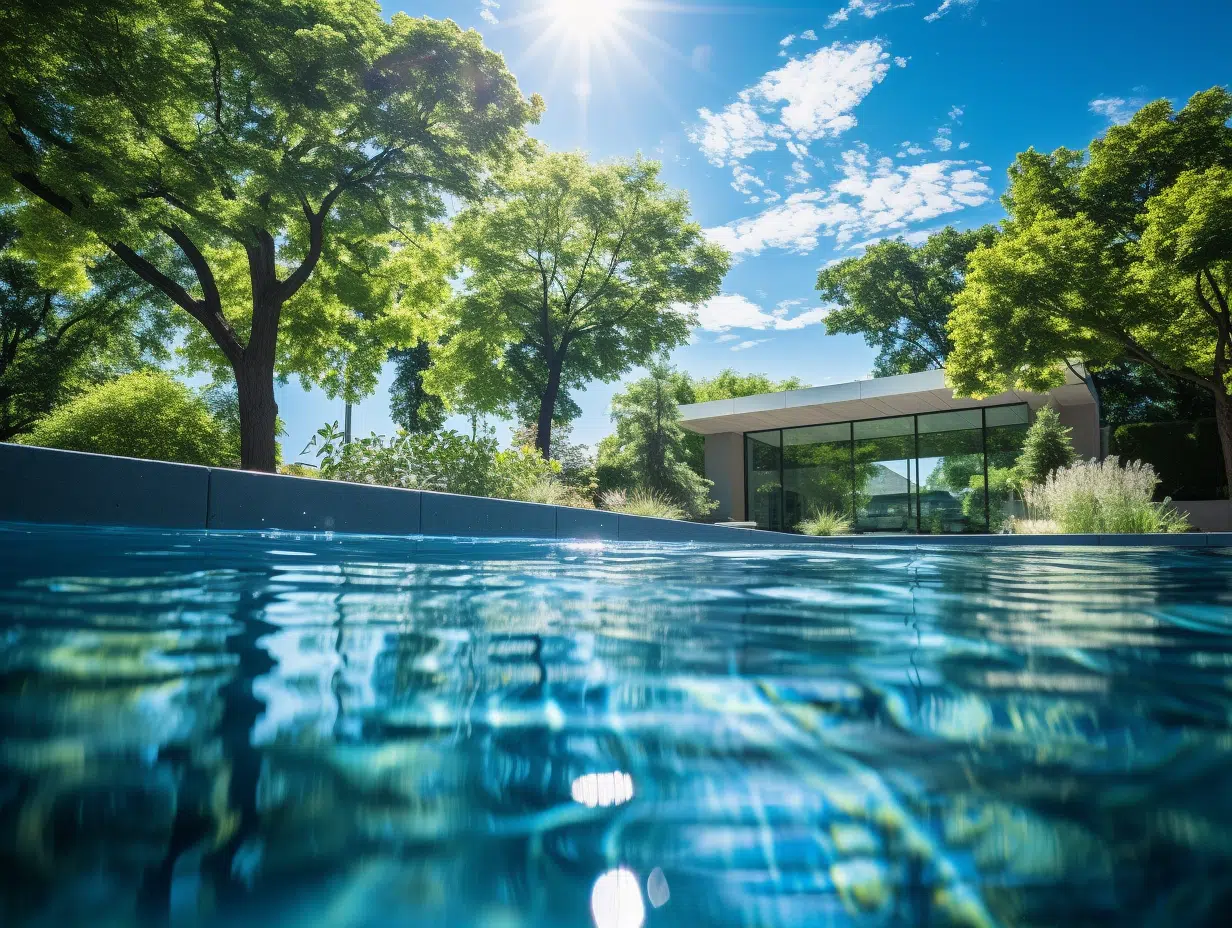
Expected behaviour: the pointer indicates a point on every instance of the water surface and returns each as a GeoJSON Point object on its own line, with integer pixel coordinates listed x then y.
{"type": "Point", "coordinates": [277, 729]}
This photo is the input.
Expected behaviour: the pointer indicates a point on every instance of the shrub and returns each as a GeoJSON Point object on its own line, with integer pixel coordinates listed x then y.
{"type": "Point", "coordinates": [1187, 456]}
{"type": "Point", "coordinates": [445, 462]}
{"type": "Point", "coordinates": [1104, 497]}
{"type": "Point", "coordinates": [148, 415]}
{"type": "Point", "coordinates": [642, 503]}
{"type": "Point", "coordinates": [552, 492]}
{"type": "Point", "coordinates": [826, 522]}
{"type": "Point", "coordinates": [1046, 448]}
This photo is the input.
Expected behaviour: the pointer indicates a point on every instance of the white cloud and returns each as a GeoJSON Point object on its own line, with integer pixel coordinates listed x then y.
{"type": "Point", "coordinates": [799, 175]}
{"type": "Point", "coordinates": [865, 8]}
{"type": "Point", "coordinates": [869, 199]}
{"type": "Point", "coordinates": [910, 148]}
{"type": "Point", "coordinates": [787, 40]}
{"type": "Point", "coordinates": [798, 150]}
{"type": "Point", "coordinates": [735, 311]}
{"type": "Point", "coordinates": [727, 337]}
{"type": "Point", "coordinates": [808, 35]}
{"type": "Point", "coordinates": [956, 113]}
{"type": "Point", "coordinates": [752, 343]}
{"type": "Point", "coordinates": [962, 146]}
{"type": "Point", "coordinates": [486, 8]}
{"type": "Point", "coordinates": [942, 141]}
{"type": "Point", "coordinates": [946, 7]}
{"type": "Point", "coordinates": [901, 62]}
{"type": "Point", "coordinates": [744, 180]}
{"type": "Point", "coordinates": [1117, 110]}
{"type": "Point", "coordinates": [812, 97]}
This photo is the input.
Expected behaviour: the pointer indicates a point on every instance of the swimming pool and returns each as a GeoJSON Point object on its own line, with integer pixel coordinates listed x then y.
{"type": "Point", "coordinates": [274, 728]}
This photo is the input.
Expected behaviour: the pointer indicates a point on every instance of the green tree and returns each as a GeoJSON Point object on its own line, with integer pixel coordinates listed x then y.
{"type": "Point", "coordinates": [258, 162]}
{"type": "Point", "coordinates": [55, 342]}
{"type": "Point", "coordinates": [1046, 448]}
{"type": "Point", "coordinates": [647, 451]}
{"type": "Point", "coordinates": [900, 297]}
{"type": "Point", "coordinates": [1124, 251]}
{"type": "Point", "coordinates": [1132, 392]}
{"type": "Point", "coordinates": [410, 403]}
{"type": "Point", "coordinates": [148, 414]}
{"type": "Point", "coordinates": [577, 272]}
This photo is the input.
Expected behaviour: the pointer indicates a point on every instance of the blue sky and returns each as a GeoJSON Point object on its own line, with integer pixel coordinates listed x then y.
{"type": "Point", "coordinates": [803, 130]}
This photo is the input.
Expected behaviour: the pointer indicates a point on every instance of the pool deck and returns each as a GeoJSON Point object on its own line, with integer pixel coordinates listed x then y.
{"type": "Point", "coordinates": [38, 485]}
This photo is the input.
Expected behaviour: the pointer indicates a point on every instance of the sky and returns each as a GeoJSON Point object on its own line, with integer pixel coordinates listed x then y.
{"type": "Point", "coordinates": [802, 132]}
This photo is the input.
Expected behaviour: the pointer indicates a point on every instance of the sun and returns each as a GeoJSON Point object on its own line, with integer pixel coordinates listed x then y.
{"type": "Point", "coordinates": [586, 20]}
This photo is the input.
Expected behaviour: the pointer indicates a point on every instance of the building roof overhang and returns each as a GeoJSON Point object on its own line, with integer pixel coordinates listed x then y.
{"type": "Point", "coordinates": [903, 395]}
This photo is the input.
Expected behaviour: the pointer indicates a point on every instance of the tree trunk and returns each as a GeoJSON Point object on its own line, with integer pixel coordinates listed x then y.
{"type": "Point", "coordinates": [547, 409]}
{"type": "Point", "coordinates": [254, 380]}
{"type": "Point", "coordinates": [1223, 421]}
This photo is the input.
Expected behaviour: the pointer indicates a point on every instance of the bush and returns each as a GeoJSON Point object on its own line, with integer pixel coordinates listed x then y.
{"type": "Point", "coordinates": [552, 491]}
{"type": "Point", "coordinates": [1103, 497]}
{"type": "Point", "coordinates": [1187, 456]}
{"type": "Point", "coordinates": [642, 503]}
{"type": "Point", "coordinates": [1046, 448]}
{"type": "Point", "coordinates": [826, 522]}
{"type": "Point", "coordinates": [144, 415]}
{"type": "Point", "coordinates": [445, 462]}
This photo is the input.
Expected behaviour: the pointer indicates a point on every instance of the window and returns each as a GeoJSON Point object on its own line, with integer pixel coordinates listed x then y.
{"type": "Point", "coordinates": [1005, 431]}
{"type": "Point", "coordinates": [763, 464]}
{"type": "Point", "coordinates": [885, 489]}
{"type": "Point", "coordinates": [816, 472]}
{"type": "Point", "coordinates": [950, 473]}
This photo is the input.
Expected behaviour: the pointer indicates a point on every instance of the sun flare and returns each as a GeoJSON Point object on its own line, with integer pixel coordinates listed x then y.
{"type": "Point", "coordinates": [586, 20]}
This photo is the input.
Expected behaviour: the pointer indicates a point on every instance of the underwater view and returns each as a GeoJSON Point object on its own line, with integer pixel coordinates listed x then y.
{"type": "Point", "coordinates": [258, 729]}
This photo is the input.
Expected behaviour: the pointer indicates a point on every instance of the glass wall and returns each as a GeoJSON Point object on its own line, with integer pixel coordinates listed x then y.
{"type": "Point", "coordinates": [886, 488]}
{"type": "Point", "coordinates": [937, 473]}
{"type": "Point", "coordinates": [951, 473]}
{"type": "Point", "coordinates": [816, 472]}
{"type": "Point", "coordinates": [763, 465]}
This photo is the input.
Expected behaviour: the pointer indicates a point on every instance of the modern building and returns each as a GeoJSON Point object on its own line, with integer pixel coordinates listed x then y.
{"type": "Point", "coordinates": [897, 454]}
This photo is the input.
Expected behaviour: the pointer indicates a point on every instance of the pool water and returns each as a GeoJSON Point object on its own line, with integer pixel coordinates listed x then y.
{"type": "Point", "coordinates": [303, 730]}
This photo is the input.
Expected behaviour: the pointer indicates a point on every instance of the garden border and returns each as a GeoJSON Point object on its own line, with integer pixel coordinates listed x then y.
{"type": "Point", "coordinates": [40, 485]}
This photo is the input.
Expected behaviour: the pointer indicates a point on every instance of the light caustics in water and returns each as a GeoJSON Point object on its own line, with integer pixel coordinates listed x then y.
{"type": "Point", "coordinates": [247, 730]}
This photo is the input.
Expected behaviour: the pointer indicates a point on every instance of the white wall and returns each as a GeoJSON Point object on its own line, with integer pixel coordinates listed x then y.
{"type": "Point", "coordinates": [1084, 420]}
{"type": "Point", "coordinates": [725, 466]}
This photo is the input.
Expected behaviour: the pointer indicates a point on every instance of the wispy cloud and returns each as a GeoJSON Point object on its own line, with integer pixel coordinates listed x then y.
{"type": "Point", "coordinates": [734, 311]}
{"type": "Point", "coordinates": [487, 11]}
{"type": "Point", "coordinates": [727, 337]}
{"type": "Point", "coordinates": [806, 99]}
{"type": "Point", "coordinates": [751, 343]}
{"type": "Point", "coordinates": [1117, 110]}
{"type": "Point", "coordinates": [865, 8]}
{"type": "Point", "coordinates": [868, 200]}
{"type": "Point", "coordinates": [948, 6]}
{"type": "Point", "coordinates": [942, 140]}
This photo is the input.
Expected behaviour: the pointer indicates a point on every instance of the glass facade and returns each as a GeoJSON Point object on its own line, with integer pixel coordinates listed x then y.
{"type": "Point", "coordinates": [937, 473]}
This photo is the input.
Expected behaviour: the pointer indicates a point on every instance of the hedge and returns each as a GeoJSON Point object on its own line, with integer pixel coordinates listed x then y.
{"type": "Point", "coordinates": [1186, 455]}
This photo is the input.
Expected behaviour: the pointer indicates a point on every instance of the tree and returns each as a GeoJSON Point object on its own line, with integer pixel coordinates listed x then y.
{"type": "Point", "coordinates": [900, 297]}
{"type": "Point", "coordinates": [257, 162]}
{"type": "Point", "coordinates": [1132, 392]}
{"type": "Point", "coordinates": [1046, 448]}
{"type": "Point", "coordinates": [55, 341]}
{"type": "Point", "coordinates": [648, 452]}
{"type": "Point", "coordinates": [1124, 251]}
{"type": "Point", "coordinates": [148, 414]}
{"type": "Point", "coordinates": [410, 404]}
{"type": "Point", "coordinates": [576, 272]}
{"type": "Point", "coordinates": [577, 462]}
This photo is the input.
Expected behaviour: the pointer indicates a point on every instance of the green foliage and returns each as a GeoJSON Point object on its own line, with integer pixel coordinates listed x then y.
{"type": "Point", "coordinates": [54, 344]}
{"type": "Point", "coordinates": [1186, 456]}
{"type": "Point", "coordinates": [1103, 497]}
{"type": "Point", "coordinates": [576, 462]}
{"type": "Point", "coordinates": [899, 297]}
{"type": "Point", "coordinates": [148, 414]}
{"type": "Point", "coordinates": [1130, 392]}
{"type": "Point", "coordinates": [576, 272]}
{"type": "Point", "coordinates": [642, 503]}
{"type": "Point", "coordinates": [1124, 251]}
{"type": "Point", "coordinates": [271, 168]}
{"type": "Point", "coordinates": [826, 522]}
{"type": "Point", "coordinates": [648, 451]}
{"type": "Point", "coordinates": [728, 384]}
{"type": "Point", "coordinates": [445, 462]}
{"type": "Point", "coordinates": [411, 406]}
{"type": "Point", "coordinates": [1047, 448]}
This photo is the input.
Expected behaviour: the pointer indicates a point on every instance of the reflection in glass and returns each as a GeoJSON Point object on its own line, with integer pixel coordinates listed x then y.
{"type": "Point", "coordinates": [616, 900]}
{"type": "Point", "coordinates": [817, 473]}
{"type": "Point", "coordinates": [1005, 432]}
{"type": "Point", "coordinates": [765, 492]}
{"type": "Point", "coordinates": [886, 492]}
{"type": "Point", "coordinates": [951, 472]}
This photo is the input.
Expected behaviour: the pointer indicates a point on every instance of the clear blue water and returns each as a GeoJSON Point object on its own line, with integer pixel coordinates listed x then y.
{"type": "Point", "coordinates": [274, 729]}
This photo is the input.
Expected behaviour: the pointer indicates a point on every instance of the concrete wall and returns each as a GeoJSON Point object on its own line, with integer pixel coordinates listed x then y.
{"type": "Point", "coordinates": [66, 488]}
{"type": "Point", "coordinates": [1084, 420]}
{"type": "Point", "coordinates": [1208, 515]}
{"type": "Point", "coordinates": [725, 466]}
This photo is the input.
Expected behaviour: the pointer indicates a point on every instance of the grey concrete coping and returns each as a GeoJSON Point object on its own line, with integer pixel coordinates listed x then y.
{"type": "Point", "coordinates": [38, 485]}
